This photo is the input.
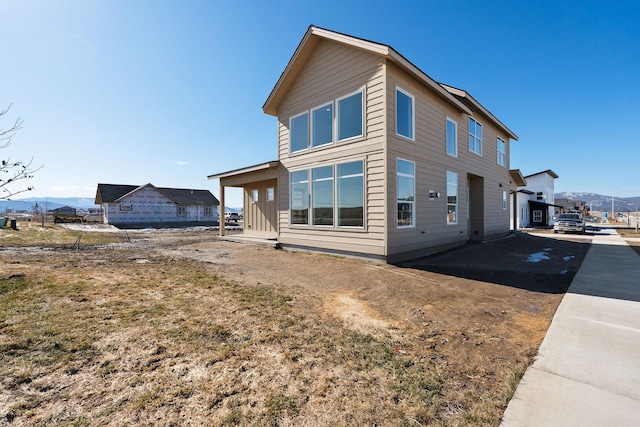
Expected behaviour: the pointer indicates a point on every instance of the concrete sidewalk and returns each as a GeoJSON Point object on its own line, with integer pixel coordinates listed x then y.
{"type": "Point", "coordinates": [587, 371]}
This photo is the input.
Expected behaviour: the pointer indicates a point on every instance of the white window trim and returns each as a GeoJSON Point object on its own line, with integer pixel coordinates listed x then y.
{"type": "Point", "coordinates": [455, 137]}
{"type": "Point", "coordinates": [337, 115]}
{"type": "Point", "coordinates": [413, 114]}
{"type": "Point", "coordinates": [271, 194]}
{"type": "Point", "coordinates": [413, 209]}
{"type": "Point", "coordinates": [504, 153]}
{"type": "Point", "coordinates": [474, 135]}
{"type": "Point", "coordinates": [457, 197]}
{"type": "Point", "coordinates": [257, 195]}
{"type": "Point", "coordinates": [537, 218]}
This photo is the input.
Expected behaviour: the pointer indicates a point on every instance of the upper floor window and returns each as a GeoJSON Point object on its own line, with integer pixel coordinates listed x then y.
{"type": "Point", "coordinates": [475, 136]}
{"type": "Point", "coordinates": [299, 132]}
{"type": "Point", "coordinates": [350, 116]}
{"type": "Point", "coordinates": [315, 128]}
{"type": "Point", "coordinates": [406, 192]}
{"type": "Point", "coordinates": [405, 123]}
{"type": "Point", "coordinates": [322, 125]}
{"type": "Point", "coordinates": [452, 137]}
{"type": "Point", "coordinates": [502, 152]}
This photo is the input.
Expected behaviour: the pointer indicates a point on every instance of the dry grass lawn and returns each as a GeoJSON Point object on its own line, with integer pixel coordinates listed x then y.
{"type": "Point", "coordinates": [132, 333]}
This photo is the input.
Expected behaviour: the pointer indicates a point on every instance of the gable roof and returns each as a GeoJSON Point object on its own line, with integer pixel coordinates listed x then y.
{"type": "Point", "coordinates": [461, 100]}
{"type": "Point", "coordinates": [305, 50]}
{"type": "Point", "coordinates": [548, 171]}
{"type": "Point", "coordinates": [113, 193]}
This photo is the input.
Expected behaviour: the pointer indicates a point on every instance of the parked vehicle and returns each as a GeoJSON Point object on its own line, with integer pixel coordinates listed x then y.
{"type": "Point", "coordinates": [231, 216]}
{"type": "Point", "coordinates": [569, 222]}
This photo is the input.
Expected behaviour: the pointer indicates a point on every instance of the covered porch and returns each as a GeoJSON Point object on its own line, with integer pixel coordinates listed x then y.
{"type": "Point", "coordinates": [260, 198]}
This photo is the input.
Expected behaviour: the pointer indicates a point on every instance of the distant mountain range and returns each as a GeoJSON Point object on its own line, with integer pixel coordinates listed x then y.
{"type": "Point", "coordinates": [47, 203]}
{"type": "Point", "coordinates": [598, 202]}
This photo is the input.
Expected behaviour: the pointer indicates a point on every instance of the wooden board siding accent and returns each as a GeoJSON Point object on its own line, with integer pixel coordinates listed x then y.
{"type": "Point", "coordinates": [333, 71]}
{"type": "Point", "coordinates": [260, 217]}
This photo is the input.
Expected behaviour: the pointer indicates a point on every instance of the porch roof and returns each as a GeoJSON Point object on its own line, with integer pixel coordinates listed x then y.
{"type": "Point", "coordinates": [249, 174]}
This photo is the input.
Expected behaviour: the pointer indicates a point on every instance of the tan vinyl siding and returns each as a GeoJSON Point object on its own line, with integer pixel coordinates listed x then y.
{"type": "Point", "coordinates": [428, 151]}
{"type": "Point", "coordinates": [333, 72]}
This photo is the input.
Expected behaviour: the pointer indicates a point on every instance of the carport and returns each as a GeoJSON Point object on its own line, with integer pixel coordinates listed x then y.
{"type": "Point", "coordinates": [260, 197]}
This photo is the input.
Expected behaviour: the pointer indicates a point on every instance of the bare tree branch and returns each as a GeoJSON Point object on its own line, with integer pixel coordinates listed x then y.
{"type": "Point", "coordinates": [15, 171]}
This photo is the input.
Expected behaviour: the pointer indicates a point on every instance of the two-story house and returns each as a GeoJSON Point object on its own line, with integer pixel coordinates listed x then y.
{"type": "Point", "coordinates": [375, 157]}
{"type": "Point", "coordinates": [535, 200]}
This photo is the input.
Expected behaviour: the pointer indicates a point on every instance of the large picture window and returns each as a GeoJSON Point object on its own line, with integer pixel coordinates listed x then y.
{"type": "Point", "coordinates": [502, 152]}
{"type": "Point", "coordinates": [351, 194]}
{"type": "Point", "coordinates": [300, 197]}
{"type": "Point", "coordinates": [404, 114]}
{"type": "Point", "coordinates": [341, 185]}
{"type": "Point", "coordinates": [350, 116]}
{"type": "Point", "coordinates": [452, 198]}
{"type": "Point", "coordinates": [475, 136]}
{"type": "Point", "coordinates": [405, 188]}
{"type": "Point", "coordinates": [452, 137]}
{"type": "Point", "coordinates": [322, 195]}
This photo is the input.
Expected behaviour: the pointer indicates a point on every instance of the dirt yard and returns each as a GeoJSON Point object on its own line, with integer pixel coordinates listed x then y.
{"type": "Point", "coordinates": [176, 327]}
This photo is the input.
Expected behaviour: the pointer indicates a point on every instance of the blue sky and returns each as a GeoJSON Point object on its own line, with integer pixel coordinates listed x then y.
{"type": "Point", "coordinates": [168, 92]}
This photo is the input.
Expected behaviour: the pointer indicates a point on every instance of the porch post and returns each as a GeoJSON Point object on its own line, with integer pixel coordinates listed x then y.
{"type": "Point", "coordinates": [221, 219]}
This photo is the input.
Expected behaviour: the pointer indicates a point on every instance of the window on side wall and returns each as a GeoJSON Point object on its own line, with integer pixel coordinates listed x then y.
{"type": "Point", "coordinates": [475, 136]}
{"type": "Point", "coordinates": [254, 196]}
{"type": "Point", "coordinates": [502, 152]}
{"type": "Point", "coordinates": [350, 115]}
{"type": "Point", "coordinates": [299, 212]}
{"type": "Point", "coordinates": [299, 132]}
{"type": "Point", "coordinates": [405, 107]}
{"type": "Point", "coordinates": [182, 211]}
{"type": "Point", "coordinates": [504, 201]}
{"type": "Point", "coordinates": [452, 198]}
{"type": "Point", "coordinates": [271, 194]}
{"type": "Point", "coordinates": [208, 211]}
{"type": "Point", "coordinates": [452, 138]}
{"type": "Point", "coordinates": [405, 189]}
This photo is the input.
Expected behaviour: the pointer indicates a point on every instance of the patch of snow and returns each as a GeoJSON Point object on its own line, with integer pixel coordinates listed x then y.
{"type": "Point", "coordinates": [568, 258]}
{"type": "Point", "coordinates": [538, 256]}
{"type": "Point", "coordinates": [547, 249]}
{"type": "Point", "coordinates": [564, 271]}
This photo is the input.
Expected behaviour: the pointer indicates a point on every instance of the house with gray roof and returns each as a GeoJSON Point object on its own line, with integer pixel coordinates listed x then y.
{"type": "Point", "coordinates": [132, 206]}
